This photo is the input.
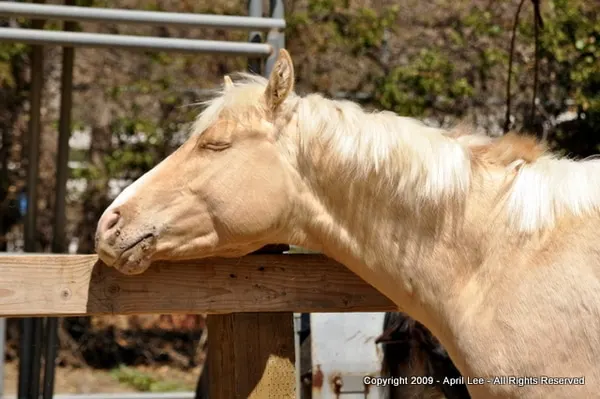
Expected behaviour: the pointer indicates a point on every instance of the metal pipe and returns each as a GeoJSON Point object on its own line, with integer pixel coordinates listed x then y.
{"type": "Point", "coordinates": [71, 13]}
{"type": "Point", "coordinates": [36, 357]}
{"type": "Point", "coordinates": [50, 355]}
{"type": "Point", "coordinates": [62, 174]}
{"type": "Point", "coordinates": [37, 75]}
{"type": "Point", "coordinates": [255, 9]}
{"type": "Point", "coordinates": [27, 347]}
{"type": "Point", "coordinates": [79, 39]}
{"type": "Point", "coordinates": [2, 351]}
{"type": "Point", "coordinates": [62, 158]}
{"type": "Point", "coordinates": [275, 37]}
{"type": "Point", "coordinates": [298, 360]}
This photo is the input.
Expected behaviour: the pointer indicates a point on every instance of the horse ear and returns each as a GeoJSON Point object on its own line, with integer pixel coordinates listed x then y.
{"type": "Point", "coordinates": [228, 82]}
{"type": "Point", "coordinates": [281, 80]}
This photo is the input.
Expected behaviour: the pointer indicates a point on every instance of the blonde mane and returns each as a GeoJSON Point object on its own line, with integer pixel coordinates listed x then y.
{"type": "Point", "coordinates": [422, 163]}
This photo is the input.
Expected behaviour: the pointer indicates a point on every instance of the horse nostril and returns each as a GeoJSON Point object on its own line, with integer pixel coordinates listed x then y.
{"type": "Point", "coordinates": [108, 221]}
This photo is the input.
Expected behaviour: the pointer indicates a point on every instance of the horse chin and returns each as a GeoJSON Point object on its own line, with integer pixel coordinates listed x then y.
{"type": "Point", "coordinates": [137, 259]}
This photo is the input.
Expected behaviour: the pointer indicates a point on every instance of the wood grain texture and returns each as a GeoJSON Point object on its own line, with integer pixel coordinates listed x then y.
{"type": "Point", "coordinates": [251, 355]}
{"type": "Point", "coordinates": [60, 285]}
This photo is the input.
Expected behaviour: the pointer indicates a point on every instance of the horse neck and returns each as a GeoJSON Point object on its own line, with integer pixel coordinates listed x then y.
{"type": "Point", "coordinates": [418, 257]}
{"type": "Point", "coordinates": [417, 264]}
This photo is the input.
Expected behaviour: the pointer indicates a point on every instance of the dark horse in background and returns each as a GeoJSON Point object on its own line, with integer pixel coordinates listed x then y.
{"type": "Point", "coordinates": [409, 349]}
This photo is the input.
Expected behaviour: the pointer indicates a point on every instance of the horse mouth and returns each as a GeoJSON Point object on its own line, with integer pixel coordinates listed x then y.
{"type": "Point", "coordinates": [142, 241]}
{"type": "Point", "coordinates": [136, 257]}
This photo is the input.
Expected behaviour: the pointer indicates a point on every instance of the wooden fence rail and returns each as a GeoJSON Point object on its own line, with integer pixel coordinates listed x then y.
{"type": "Point", "coordinates": [251, 344]}
{"type": "Point", "coordinates": [69, 285]}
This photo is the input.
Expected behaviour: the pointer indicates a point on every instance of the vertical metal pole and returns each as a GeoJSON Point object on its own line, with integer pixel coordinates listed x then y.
{"type": "Point", "coordinates": [64, 134]}
{"type": "Point", "coordinates": [2, 348]}
{"type": "Point", "coordinates": [30, 327]}
{"type": "Point", "coordinates": [37, 82]}
{"type": "Point", "coordinates": [25, 358]}
{"type": "Point", "coordinates": [36, 357]}
{"type": "Point", "coordinates": [298, 354]}
{"type": "Point", "coordinates": [255, 9]}
{"type": "Point", "coordinates": [50, 355]}
{"type": "Point", "coordinates": [62, 174]}
{"type": "Point", "coordinates": [275, 37]}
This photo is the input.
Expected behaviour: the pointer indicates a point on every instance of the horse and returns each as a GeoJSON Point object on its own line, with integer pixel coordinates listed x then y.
{"type": "Point", "coordinates": [416, 361]}
{"type": "Point", "coordinates": [489, 242]}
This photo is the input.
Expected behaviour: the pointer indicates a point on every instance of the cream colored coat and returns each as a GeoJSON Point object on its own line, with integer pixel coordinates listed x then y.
{"type": "Point", "coordinates": [491, 243]}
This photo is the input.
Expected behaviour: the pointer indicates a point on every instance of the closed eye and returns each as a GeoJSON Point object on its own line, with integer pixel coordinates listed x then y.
{"type": "Point", "coordinates": [216, 146]}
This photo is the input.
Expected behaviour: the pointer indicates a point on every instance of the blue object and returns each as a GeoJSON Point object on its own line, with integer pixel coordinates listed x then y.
{"type": "Point", "coordinates": [22, 203]}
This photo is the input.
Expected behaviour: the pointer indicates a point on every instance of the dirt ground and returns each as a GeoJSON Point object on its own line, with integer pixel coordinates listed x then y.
{"type": "Point", "coordinates": [112, 354]}
{"type": "Point", "coordinates": [87, 380]}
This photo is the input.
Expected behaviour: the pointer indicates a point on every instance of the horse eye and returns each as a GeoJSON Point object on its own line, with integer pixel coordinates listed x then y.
{"type": "Point", "coordinates": [216, 146]}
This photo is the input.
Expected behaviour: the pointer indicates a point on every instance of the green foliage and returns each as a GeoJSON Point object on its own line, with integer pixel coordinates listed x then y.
{"type": "Point", "coordinates": [570, 47]}
{"type": "Point", "coordinates": [428, 82]}
{"type": "Point", "coordinates": [132, 158]}
{"type": "Point", "coordinates": [483, 22]}
{"type": "Point", "coordinates": [570, 42]}
{"type": "Point", "coordinates": [358, 29]}
{"type": "Point", "coordinates": [152, 6]}
{"type": "Point", "coordinates": [8, 53]}
{"type": "Point", "coordinates": [367, 27]}
{"type": "Point", "coordinates": [144, 382]}
{"type": "Point", "coordinates": [465, 62]}
{"type": "Point", "coordinates": [323, 7]}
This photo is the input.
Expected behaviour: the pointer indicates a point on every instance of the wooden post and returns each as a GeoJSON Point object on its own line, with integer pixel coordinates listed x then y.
{"type": "Point", "coordinates": [251, 355]}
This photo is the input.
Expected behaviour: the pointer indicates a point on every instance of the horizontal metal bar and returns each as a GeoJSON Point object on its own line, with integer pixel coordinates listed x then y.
{"type": "Point", "coordinates": [133, 395]}
{"type": "Point", "coordinates": [79, 39]}
{"type": "Point", "coordinates": [73, 13]}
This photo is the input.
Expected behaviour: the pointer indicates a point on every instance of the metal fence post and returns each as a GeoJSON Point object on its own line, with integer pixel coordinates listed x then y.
{"type": "Point", "coordinates": [60, 202]}
{"type": "Point", "coordinates": [2, 349]}
{"type": "Point", "coordinates": [31, 328]}
{"type": "Point", "coordinates": [275, 37]}
{"type": "Point", "coordinates": [255, 9]}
